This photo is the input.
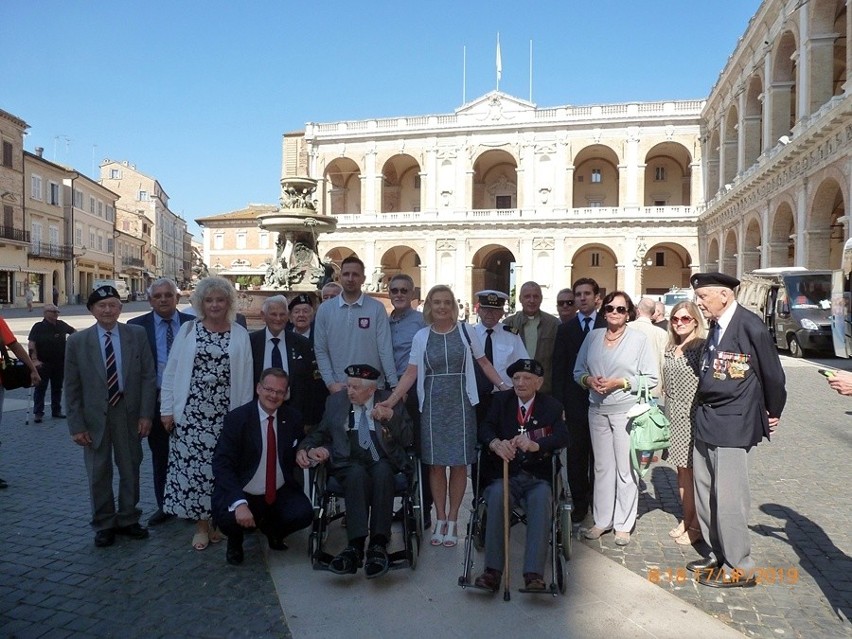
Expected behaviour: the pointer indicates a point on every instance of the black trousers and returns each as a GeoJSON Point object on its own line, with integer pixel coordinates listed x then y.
{"type": "Point", "coordinates": [291, 511]}
{"type": "Point", "coordinates": [412, 405]}
{"type": "Point", "coordinates": [368, 490]}
{"type": "Point", "coordinates": [580, 466]}
{"type": "Point", "coordinates": [158, 442]}
{"type": "Point", "coordinates": [53, 374]}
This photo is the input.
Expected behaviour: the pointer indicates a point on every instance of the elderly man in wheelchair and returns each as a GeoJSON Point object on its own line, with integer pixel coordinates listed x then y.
{"type": "Point", "coordinates": [524, 428]}
{"type": "Point", "coordinates": [364, 448]}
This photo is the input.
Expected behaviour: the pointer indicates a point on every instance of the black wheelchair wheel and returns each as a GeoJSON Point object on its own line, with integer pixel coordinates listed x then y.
{"type": "Point", "coordinates": [312, 545]}
{"type": "Point", "coordinates": [561, 581]}
{"type": "Point", "coordinates": [565, 537]}
{"type": "Point", "coordinates": [479, 527]}
{"type": "Point", "coordinates": [413, 549]}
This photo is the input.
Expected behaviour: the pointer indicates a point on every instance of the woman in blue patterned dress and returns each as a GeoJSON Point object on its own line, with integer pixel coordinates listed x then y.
{"type": "Point", "coordinates": [441, 362]}
{"type": "Point", "coordinates": [209, 373]}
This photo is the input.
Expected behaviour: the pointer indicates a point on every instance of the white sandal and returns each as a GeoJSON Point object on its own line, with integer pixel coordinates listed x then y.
{"type": "Point", "coordinates": [437, 535]}
{"type": "Point", "coordinates": [450, 538]}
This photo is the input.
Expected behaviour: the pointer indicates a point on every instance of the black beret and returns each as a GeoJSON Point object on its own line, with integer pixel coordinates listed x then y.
{"type": "Point", "coordinates": [301, 298]}
{"type": "Point", "coordinates": [526, 366]}
{"type": "Point", "coordinates": [102, 293]}
{"type": "Point", "coordinates": [492, 299]}
{"type": "Point", "coordinates": [700, 280]}
{"type": "Point", "coordinates": [362, 371]}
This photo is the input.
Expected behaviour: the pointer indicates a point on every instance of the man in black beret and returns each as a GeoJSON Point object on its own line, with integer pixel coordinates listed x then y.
{"type": "Point", "coordinates": [740, 397]}
{"type": "Point", "coordinates": [363, 454]}
{"type": "Point", "coordinates": [523, 427]}
{"type": "Point", "coordinates": [110, 393]}
{"type": "Point", "coordinates": [302, 316]}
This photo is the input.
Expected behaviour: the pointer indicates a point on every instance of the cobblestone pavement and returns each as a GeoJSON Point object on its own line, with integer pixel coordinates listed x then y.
{"type": "Point", "coordinates": [54, 582]}
{"type": "Point", "coordinates": [801, 524]}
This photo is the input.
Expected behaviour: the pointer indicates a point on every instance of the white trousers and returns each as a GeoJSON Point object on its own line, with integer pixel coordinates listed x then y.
{"type": "Point", "coordinates": [616, 495]}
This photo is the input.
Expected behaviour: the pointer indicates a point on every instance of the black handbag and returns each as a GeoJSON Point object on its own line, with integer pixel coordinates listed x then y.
{"type": "Point", "coordinates": [14, 374]}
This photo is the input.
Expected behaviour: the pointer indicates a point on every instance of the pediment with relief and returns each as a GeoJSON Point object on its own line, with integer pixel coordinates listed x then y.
{"type": "Point", "coordinates": [495, 106]}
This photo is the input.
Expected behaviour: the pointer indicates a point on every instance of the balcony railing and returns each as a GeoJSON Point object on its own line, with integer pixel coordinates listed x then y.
{"type": "Point", "coordinates": [133, 261]}
{"type": "Point", "coordinates": [11, 233]}
{"type": "Point", "coordinates": [51, 251]}
{"type": "Point", "coordinates": [551, 216]}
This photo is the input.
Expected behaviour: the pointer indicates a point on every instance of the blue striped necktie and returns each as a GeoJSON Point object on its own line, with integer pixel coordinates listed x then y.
{"type": "Point", "coordinates": [111, 371]}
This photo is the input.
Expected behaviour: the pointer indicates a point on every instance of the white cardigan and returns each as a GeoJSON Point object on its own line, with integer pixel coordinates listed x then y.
{"type": "Point", "coordinates": [418, 352]}
{"type": "Point", "coordinates": [175, 388]}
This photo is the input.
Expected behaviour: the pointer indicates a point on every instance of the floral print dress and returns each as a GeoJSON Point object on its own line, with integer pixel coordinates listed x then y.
{"type": "Point", "coordinates": [189, 482]}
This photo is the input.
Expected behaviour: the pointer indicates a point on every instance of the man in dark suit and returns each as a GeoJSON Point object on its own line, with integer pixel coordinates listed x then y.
{"type": "Point", "coordinates": [110, 393]}
{"type": "Point", "coordinates": [575, 399]}
{"type": "Point", "coordinates": [294, 354]}
{"type": "Point", "coordinates": [253, 464]}
{"type": "Point", "coordinates": [537, 330]}
{"type": "Point", "coordinates": [364, 454]}
{"type": "Point", "coordinates": [523, 427]}
{"type": "Point", "coordinates": [741, 394]}
{"type": "Point", "coordinates": [161, 325]}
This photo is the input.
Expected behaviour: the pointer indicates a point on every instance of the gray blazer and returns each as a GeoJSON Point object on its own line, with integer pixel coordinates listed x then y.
{"type": "Point", "coordinates": [86, 393]}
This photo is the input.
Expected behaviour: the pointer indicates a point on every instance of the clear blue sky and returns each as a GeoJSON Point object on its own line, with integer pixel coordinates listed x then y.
{"type": "Point", "coordinates": [198, 93]}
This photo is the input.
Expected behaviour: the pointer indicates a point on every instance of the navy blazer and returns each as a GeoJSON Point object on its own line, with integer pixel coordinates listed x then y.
{"type": "Point", "coordinates": [569, 339]}
{"type": "Point", "coordinates": [502, 423]}
{"type": "Point", "coordinates": [307, 390]}
{"type": "Point", "coordinates": [732, 402]}
{"type": "Point", "coordinates": [240, 447]}
{"type": "Point", "coordinates": [146, 321]}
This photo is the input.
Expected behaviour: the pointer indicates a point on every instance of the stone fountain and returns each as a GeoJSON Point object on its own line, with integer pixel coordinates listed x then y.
{"type": "Point", "coordinates": [297, 265]}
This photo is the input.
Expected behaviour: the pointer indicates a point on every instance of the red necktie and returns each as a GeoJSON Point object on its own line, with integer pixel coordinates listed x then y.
{"type": "Point", "coordinates": [271, 460]}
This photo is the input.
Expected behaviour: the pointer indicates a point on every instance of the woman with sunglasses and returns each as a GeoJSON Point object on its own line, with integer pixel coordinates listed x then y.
{"type": "Point", "coordinates": [680, 378]}
{"type": "Point", "coordinates": [610, 364]}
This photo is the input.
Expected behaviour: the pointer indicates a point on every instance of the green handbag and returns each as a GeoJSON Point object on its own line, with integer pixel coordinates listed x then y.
{"type": "Point", "coordinates": [649, 428]}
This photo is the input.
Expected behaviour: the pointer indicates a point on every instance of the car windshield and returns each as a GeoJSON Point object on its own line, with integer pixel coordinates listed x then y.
{"type": "Point", "coordinates": [673, 298]}
{"type": "Point", "coordinates": [809, 291]}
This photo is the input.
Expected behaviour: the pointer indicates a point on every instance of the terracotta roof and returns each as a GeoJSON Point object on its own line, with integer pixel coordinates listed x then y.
{"type": "Point", "coordinates": [248, 213]}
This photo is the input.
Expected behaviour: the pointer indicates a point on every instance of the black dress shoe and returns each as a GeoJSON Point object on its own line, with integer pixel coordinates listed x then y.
{"type": "Point", "coordinates": [134, 531]}
{"type": "Point", "coordinates": [579, 514]}
{"type": "Point", "coordinates": [276, 543]}
{"type": "Point", "coordinates": [377, 561]}
{"type": "Point", "coordinates": [38, 419]}
{"type": "Point", "coordinates": [159, 517]}
{"type": "Point", "coordinates": [104, 538]}
{"type": "Point", "coordinates": [59, 416]}
{"type": "Point", "coordinates": [3, 484]}
{"type": "Point", "coordinates": [347, 562]}
{"type": "Point", "coordinates": [706, 563]}
{"type": "Point", "coordinates": [719, 579]}
{"type": "Point", "coordinates": [234, 554]}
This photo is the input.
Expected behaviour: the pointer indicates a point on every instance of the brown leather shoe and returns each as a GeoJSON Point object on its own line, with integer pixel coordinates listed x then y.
{"type": "Point", "coordinates": [489, 580]}
{"type": "Point", "coordinates": [534, 581]}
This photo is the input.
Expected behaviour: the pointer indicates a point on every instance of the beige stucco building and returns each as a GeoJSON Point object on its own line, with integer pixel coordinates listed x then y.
{"type": "Point", "coordinates": [777, 142]}
{"type": "Point", "coordinates": [14, 236]}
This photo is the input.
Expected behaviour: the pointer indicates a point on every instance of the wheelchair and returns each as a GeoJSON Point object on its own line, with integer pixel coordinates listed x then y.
{"type": "Point", "coordinates": [560, 527]}
{"type": "Point", "coordinates": [329, 506]}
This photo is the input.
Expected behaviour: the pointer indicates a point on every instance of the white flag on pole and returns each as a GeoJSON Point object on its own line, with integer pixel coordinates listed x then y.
{"type": "Point", "coordinates": [499, 60]}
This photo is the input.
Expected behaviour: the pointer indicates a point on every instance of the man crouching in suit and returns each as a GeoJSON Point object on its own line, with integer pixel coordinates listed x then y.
{"type": "Point", "coordinates": [364, 454]}
{"type": "Point", "coordinates": [110, 388]}
{"type": "Point", "coordinates": [253, 464]}
{"type": "Point", "coordinates": [523, 427]}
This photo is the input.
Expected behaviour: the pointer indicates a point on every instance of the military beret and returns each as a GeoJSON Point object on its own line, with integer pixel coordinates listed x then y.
{"type": "Point", "coordinates": [700, 280]}
{"type": "Point", "coordinates": [492, 299]}
{"type": "Point", "coordinates": [362, 371]}
{"type": "Point", "coordinates": [526, 366]}
{"type": "Point", "coordinates": [301, 298]}
{"type": "Point", "coordinates": [102, 293]}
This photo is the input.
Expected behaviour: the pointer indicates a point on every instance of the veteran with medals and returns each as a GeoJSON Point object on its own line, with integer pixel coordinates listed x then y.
{"type": "Point", "coordinates": [741, 395]}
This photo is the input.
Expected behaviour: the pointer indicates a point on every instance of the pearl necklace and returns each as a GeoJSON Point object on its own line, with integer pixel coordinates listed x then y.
{"type": "Point", "coordinates": [616, 338]}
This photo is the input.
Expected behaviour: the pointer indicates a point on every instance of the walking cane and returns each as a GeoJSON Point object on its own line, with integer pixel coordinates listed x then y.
{"type": "Point", "coordinates": [506, 595]}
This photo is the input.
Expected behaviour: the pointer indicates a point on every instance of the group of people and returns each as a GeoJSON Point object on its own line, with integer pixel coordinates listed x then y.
{"type": "Point", "coordinates": [231, 415]}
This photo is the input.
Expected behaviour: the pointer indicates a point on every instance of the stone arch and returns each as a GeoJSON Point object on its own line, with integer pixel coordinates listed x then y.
{"type": "Point", "coordinates": [784, 86]}
{"type": "Point", "coordinates": [597, 261]}
{"type": "Point", "coordinates": [335, 256]}
{"type": "Point", "coordinates": [782, 236]}
{"type": "Point", "coordinates": [666, 265]}
{"type": "Point", "coordinates": [668, 175]}
{"type": "Point", "coordinates": [343, 186]}
{"type": "Point", "coordinates": [753, 120]}
{"type": "Point", "coordinates": [493, 268]}
{"type": "Point", "coordinates": [824, 231]}
{"type": "Point", "coordinates": [711, 161]}
{"type": "Point", "coordinates": [731, 145]}
{"type": "Point", "coordinates": [400, 184]}
{"type": "Point", "coordinates": [827, 61]}
{"type": "Point", "coordinates": [728, 263]}
{"type": "Point", "coordinates": [495, 180]}
{"type": "Point", "coordinates": [752, 241]}
{"type": "Point", "coordinates": [402, 259]}
{"type": "Point", "coordinates": [596, 177]}
{"type": "Point", "coordinates": [712, 263]}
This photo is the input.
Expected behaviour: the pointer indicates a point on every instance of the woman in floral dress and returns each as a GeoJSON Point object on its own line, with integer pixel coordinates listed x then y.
{"type": "Point", "coordinates": [209, 373]}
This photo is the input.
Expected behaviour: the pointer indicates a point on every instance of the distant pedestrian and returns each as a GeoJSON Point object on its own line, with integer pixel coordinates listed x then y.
{"type": "Point", "coordinates": [47, 350]}
{"type": "Point", "coordinates": [55, 296]}
{"type": "Point", "coordinates": [659, 316]}
{"type": "Point", "coordinates": [29, 297]}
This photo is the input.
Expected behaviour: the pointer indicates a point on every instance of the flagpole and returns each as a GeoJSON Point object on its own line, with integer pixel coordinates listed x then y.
{"type": "Point", "coordinates": [499, 62]}
{"type": "Point", "coordinates": [530, 70]}
{"type": "Point", "coordinates": [464, 74]}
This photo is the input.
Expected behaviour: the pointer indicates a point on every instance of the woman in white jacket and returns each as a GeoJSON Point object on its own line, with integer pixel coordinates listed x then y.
{"type": "Point", "coordinates": [209, 373]}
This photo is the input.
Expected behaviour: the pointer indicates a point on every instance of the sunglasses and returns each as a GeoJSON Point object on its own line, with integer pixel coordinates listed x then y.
{"type": "Point", "coordinates": [609, 308]}
{"type": "Point", "coordinates": [565, 303]}
{"type": "Point", "coordinates": [399, 291]}
{"type": "Point", "coordinates": [682, 319]}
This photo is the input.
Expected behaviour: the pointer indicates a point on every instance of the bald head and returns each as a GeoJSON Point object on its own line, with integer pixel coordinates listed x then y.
{"type": "Point", "coordinates": [646, 307]}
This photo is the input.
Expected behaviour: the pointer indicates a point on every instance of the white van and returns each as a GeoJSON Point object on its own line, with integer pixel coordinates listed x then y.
{"type": "Point", "coordinates": [118, 285]}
